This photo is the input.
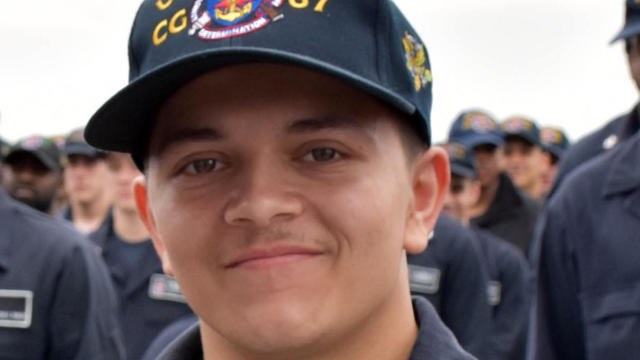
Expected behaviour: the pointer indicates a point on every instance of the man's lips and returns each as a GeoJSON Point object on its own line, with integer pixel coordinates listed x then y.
{"type": "Point", "coordinates": [273, 256]}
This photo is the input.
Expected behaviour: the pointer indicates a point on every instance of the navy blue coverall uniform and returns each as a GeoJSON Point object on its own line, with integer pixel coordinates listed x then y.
{"type": "Point", "coordinates": [56, 298]}
{"type": "Point", "coordinates": [508, 294]}
{"type": "Point", "coordinates": [588, 263]}
{"type": "Point", "coordinates": [511, 216]}
{"type": "Point", "coordinates": [450, 274]}
{"type": "Point", "coordinates": [170, 333]}
{"type": "Point", "coordinates": [613, 133]}
{"type": "Point", "coordinates": [148, 299]}
{"type": "Point", "coordinates": [434, 341]}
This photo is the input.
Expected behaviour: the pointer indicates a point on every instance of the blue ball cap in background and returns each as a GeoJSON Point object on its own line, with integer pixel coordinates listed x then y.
{"type": "Point", "coordinates": [554, 141]}
{"type": "Point", "coordinates": [75, 144]}
{"type": "Point", "coordinates": [366, 43]}
{"type": "Point", "coordinates": [473, 128]}
{"type": "Point", "coordinates": [461, 159]}
{"type": "Point", "coordinates": [521, 127]}
{"type": "Point", "coordinates": [631, 22]}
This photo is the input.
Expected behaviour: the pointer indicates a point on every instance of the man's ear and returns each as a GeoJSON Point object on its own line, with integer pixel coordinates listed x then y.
{"type": "Point", "coordinates": [476, 185]}
{"type": "Point", "coordinates": [142, 202]}
{"type": "Point", "coordinates": [430, 179]}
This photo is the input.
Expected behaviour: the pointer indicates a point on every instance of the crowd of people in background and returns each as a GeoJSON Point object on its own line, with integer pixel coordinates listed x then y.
{"type": "Point", "coordinates": [534, 256]}
{"type": "Point", "coordinates": [474, 272]}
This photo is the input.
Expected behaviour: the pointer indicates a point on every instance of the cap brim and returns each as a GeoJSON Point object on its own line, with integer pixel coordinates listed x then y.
{"type": "Point", "coordinates": [79, 149]}
{"type": "Point", "coordinates": [127, 118]}
{"type": "Point", "coordinates": [43, 158]}
{"type": "Point", "coordinates": [627, 32]}
{"type": "Point", "coordinates": [555, 150]}
{"type": "Point", "coordinates": [524, 136]}
{"type": "Point", "coordinates": [472, 140]}
{"type": "Point", "coordinates": [463, 171]}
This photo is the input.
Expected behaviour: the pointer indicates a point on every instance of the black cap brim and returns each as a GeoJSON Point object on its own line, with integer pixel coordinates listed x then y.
{"type": "Point", "coordinates": [470, 141]}
{"type": "Point", "coordinates": [524, 136]}
{"type": "Point", "coordinates": [137, 103]}
{"type": "Point", "coordinates": [463, 171]}
{"type": "Point", "coordinates": [43, 158]}
{"type": "Point", "coordinates": [627, 32]}
{"type": "Point", "coordinates": [78, 148]}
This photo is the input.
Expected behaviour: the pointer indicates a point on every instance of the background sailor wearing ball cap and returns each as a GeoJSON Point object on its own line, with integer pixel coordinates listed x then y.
{"type": "Point", "coordinates": [508, 271]}
{"type": "Point", "coordinates": [502, 209]}
{"type": "Point", "coordinates": [33, 172]}
{"type": "Point", "coordinates": [623, 127]}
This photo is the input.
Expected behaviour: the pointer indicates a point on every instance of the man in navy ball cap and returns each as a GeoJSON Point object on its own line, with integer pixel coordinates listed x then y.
{"type": "Point", "coordinates": [523, 155]}
{"type": "Point", "coordinates": [621, 128]}
{"type": "Point", "coordinates": [586, 253]}
{"type": "Point", "coordinates": [288, 171]}
{"type": "Point", "coordinates": [554, 144]}
{"type": "Point", "coordinates": [85, 182]}
{"type": "Point", "coordinates": [34, 172]}
{"type": "Point", "coordinates": [502, 209]}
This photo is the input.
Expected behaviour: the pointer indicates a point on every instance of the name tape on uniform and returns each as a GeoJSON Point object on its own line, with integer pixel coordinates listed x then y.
{"type": "Point", "coordinates": [494, 292]}
{"type": "Point", "coordinates": [424, 280]}
{"type": "Point", "coordinates": [16, 308]}
{"type": "Point", "coordinates": [163, 287]}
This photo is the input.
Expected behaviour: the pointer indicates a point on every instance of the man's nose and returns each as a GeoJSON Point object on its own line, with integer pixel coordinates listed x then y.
{"type": "Point", "coordinates": [263, 197]}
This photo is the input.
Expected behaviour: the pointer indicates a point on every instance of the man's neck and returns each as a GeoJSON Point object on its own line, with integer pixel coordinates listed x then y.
{"type": "Point", "coordinates": [389, 334]}
{"type": "Point", "coordinates": [87, 216]}
{"type": "Point", "coordinates": [535, 190]}
{"type": "Point", "coordinates": [487, 196]}
{"type": "Point", "coordinates": [128, 225]}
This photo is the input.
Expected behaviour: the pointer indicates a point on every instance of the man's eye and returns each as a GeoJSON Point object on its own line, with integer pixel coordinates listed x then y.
{"type": "Point", "coordinates": [202, 166]}
{"type": "Point", "coordinates": [322, 154]}
{"type": "Point", "coordinates": [456, 188]}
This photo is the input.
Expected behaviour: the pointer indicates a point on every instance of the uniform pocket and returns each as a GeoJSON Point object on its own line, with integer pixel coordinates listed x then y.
{"type": "Point", "coordinates": [612, 323]}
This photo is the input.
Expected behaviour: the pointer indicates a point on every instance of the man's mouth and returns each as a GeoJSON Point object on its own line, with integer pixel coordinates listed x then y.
{"type": "Point", "coordinates": [261, 258]}
{"type": "Point", "coordinates": [25, 192]}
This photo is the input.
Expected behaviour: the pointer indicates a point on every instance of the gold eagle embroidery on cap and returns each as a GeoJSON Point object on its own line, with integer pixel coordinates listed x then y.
{"type": "Point", "coordinates": [416, 58]}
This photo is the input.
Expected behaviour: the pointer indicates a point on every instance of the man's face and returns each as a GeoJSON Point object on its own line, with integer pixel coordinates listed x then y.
{"type": "Point", "coordinates": [282, 202]}
{"type": "Point", "coordinates": [85, 178]}
{"type": "Point", "coordinates": [633, 58]}
{"type": "Point", "coordinates": [463, 194]}
{"type": "Point", "coordinates": [123, 173]}
{"type": "Point", "coordinates": [28, 180]}
{"type": "Point", "coordinates": [487, 163]}
{"type": "Point", "coordinates": [523, 161]}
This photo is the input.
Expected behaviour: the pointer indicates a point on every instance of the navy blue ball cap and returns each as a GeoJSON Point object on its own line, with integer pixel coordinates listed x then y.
{"type": "Point", "coordinates": [75, 144]}
{"type": "Point", "coordinates": [80, 148]}
{"type": "Point", "coordinates": [554, 141]}
{"type": "Point", "coordinates": [475, 127]}
{"type": "Point", "coordinates": [631, 22]}
{"type": "Point", "coordinates": [366, 43]}
{"type": "Point", "coordinates": [519, 126]}
{"type": "Point", "coordinates": [43, 148]}
{"type": "Point", "coordinates": [461, 160]}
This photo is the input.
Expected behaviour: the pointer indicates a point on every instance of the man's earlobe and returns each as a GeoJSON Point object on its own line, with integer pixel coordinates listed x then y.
{"type": "Point", "coordinates": [142, 203]}
{"type": "Point", "coordinates": [430, 180]}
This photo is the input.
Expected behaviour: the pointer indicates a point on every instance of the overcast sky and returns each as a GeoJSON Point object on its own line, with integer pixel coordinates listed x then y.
{"type": "Point", "coordinates": [547, 59]}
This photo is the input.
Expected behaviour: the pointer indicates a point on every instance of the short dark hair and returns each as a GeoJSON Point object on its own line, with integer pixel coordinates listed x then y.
{"type": "Point", "coordinates": [630, 43]}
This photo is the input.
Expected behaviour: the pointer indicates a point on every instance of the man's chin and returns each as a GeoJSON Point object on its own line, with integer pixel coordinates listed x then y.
{"type": "Point", "coordinates": [273, 329]}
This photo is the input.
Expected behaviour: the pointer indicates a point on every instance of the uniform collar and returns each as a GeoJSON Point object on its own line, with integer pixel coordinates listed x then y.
{"type": "Point", "coordinates": [434, 340]}
{"type": "Point", "coordinates": [506, 200]}
{"type": "Point", "coordinates": [625, 171]}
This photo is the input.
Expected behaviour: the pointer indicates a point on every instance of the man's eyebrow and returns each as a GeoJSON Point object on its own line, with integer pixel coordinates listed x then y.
{"type": "Point", "coordinates": [188, 134]}
{"type": "Point", "coordinates": [315, 124]}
